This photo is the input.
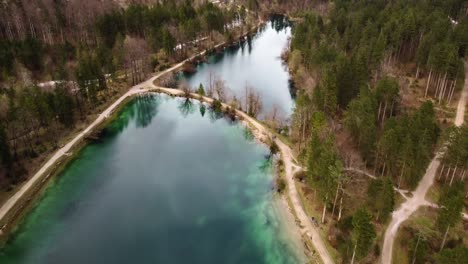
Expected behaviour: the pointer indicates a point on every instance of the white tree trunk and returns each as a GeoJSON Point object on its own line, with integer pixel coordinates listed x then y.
{"type": "Point", "coordinates": [445, 238]}
{"type": "Point", "coordinates": [324, 212]}
{"type": "Point", "coordinates": [428, 82]}
{"type": "Point", "coordinates": [453, 175]}
{"type": "Point", "coordinates": [415, 249]}
{"type": "Point", "coordinates": [334, 201]}
{"type": "Point", "coordinates": [401, 175]}
{"type": "Point", "coordinates": [453, 90]}
{"type": "Point", "coordinates": [441, 171]}
{"type": "Point", "coordinates": [341, 205]}
{"type": "Point", "coordinates": [354, 253]}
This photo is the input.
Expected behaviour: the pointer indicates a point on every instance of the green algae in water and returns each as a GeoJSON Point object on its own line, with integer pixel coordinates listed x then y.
{"type": "Point", "coordinates": [165, 185]}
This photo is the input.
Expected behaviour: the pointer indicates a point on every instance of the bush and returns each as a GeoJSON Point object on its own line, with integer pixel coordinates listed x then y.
{"type": "Point", "coordinates": [217, 106]}
{"type": "Point", "coordinates": [280, 184]}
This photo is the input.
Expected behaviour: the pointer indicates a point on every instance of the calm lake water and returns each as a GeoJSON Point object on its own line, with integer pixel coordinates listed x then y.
{"type": "Point", "coordinates": [170, 182]}
{"type": "Point", "coordinates": [256, 62]}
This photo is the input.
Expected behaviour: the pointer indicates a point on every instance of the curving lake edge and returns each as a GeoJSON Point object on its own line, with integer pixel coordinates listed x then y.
{"type": "Point", "coordinates": [13, 211]}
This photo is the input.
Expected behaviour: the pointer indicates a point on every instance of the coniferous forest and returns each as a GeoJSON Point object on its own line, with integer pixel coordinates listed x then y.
{"type": "Point", "coordinates": [376, 84]}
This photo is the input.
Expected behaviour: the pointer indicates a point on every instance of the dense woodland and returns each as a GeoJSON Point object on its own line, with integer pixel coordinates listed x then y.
{"type": "Point", "coordinates": [356, 66]}
{"type": "Point", "coordinates": [91, 49]}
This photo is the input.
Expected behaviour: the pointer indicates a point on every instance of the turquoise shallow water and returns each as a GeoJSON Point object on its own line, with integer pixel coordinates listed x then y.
{"type": "Point", "coordinates": [165, 184]}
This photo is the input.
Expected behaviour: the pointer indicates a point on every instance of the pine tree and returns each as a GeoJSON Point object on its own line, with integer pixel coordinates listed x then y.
{"type": "Point", "coordinates": [363, 233]}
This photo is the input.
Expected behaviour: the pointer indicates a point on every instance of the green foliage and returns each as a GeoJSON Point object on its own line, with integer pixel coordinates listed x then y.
{"type": "Point", "coordinates": [213, 18]}
{"type": "Point", "coordinates": [361, 121]}
{"type": "Point", "coordinates": [6, 58]}
{"type": "Point", "coordinates": [414, 136]}
{"type": "Point", "coordinates": [418, 251]}
{"type": "Point", "coordinates": [63, 106]}
{"type": "Point", "coordinates": [363, 233]}
{"type": "Point", "coordinates": [109, 26]}
{"type": "Point", "coordinates": [451, 203]}
{"type": "Point", "coordinates": [381, 198]}
{"type": "Point", "coordinates": [456, 154]}
{"type": "Point", "coordinates": [457, 255]}
{"type": "Point", "coordinates": [217, 106]}
{"type": "Point", "coordinates": [280, 184]}
{"type": "Point", "coordinates": [200, 90]}
{"type": "Point", "coordinates": [168, 41]}
{"type": "Point", "coordinates": [274, 147]}
{"type": "Point", "coordinates": [325, 94]}
{"type": "Point", "coordinates": [90, 77]}
{"type": "Point", "coordinates": [31, 54]}
{"type": "Point", "coordinates": [387, 91]}
{"type": "Point", "coordinates": [324, 165]}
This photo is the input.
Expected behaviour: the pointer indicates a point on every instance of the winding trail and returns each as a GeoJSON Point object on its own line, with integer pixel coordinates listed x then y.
{"type": "Point", "coordinates": [402, 192]}
{"type": "Point", "coordinates": [419, 195]}
{"type": "Point", "coordinates": [9, 205]}
{"type": "Point", "coordinates": [261, 132]}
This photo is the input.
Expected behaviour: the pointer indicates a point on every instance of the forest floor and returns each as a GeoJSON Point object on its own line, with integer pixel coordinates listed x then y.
{"type": "Point", "coordinates": [16, 202]}
{"type": "Point", "coordinates": [290, 167]}
{"type": "Point", "coordinates": [418, 198]}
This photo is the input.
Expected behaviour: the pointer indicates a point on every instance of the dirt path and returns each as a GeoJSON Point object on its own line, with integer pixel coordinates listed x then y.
{"type": "Point", "coordinates": [263, 134]}
{"type": "Point", "coordinates": [306, 226]}
{"type": "Point", "coordinates": [402, 192]}
{"type": "Point", "coordinates": [13, 200]}
{"type": "Point", "coordinates": [36, 178]}
{"type": "Point", "coordinates": [419, 195]}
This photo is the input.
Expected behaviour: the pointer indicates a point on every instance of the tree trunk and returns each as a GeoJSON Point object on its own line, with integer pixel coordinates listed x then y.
{"type": "Point", "coordinates": [437, 85]}
{"type": "Point", "coordinates": [383, 170]}
{"type": "Point", "coordinates": [334, 201]}
{"type": "Point", "coordinates": [354, 253]}
{"type": "Point", "coordinates": [341, 205]}
{"type": "Point", "coordinates": [324, 211]}
{"type": "Point", "coordinates": [453, 90]}
{"type": "Point", "coordinates": [445, 238]}
{"type": "Point", "coordinates": [442, 87]}
{"type": "Point", "coordinates": [415, 250]}
{"type": "Point", "coordinates": [453, 175]}
{"type": "Point", "coordinates": [401, 175]}
{"type": "Point", "coordinates": [428, 82]}
{"type": "Point", "coordinates": [384, 112]}
{"type": "Point", "coordinates": [441, 171]}
{"type": "Point", "coordinates": [446, 174]}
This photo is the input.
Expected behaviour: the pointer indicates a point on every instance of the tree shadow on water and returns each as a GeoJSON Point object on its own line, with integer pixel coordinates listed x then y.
{"type": "Point", "coordinates": [248, 135]}
{"type": "Point", "coordinates": [266, 164]}
{"type": "Point", "coordinates": [186, 107]}
{"type": "Point", "coordinates": [146, 109]}
{"type": "Point", "coordinates": [202, 109]}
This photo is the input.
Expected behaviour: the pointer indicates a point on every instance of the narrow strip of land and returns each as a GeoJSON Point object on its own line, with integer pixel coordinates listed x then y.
{"type": "Point", "coordinates": [419, 195]}
{"type": "Point", "coordinates": [306, 226]}
{"type": "Point", "coordinates": [263, 134]}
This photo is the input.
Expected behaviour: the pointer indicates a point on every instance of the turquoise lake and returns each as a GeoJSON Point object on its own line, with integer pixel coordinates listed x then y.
{"type": "Point", "coordinates": [169, 182]}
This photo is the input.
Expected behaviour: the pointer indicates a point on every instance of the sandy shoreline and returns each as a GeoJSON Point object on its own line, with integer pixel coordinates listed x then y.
{"type": "Point", "coordinates": [302, 223]}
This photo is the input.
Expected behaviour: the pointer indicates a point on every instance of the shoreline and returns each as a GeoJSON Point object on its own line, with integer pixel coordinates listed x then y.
{"type": "Point", "coordinates": [303, 223]}
{"type": "Point", "coordinates": [16, 206]}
